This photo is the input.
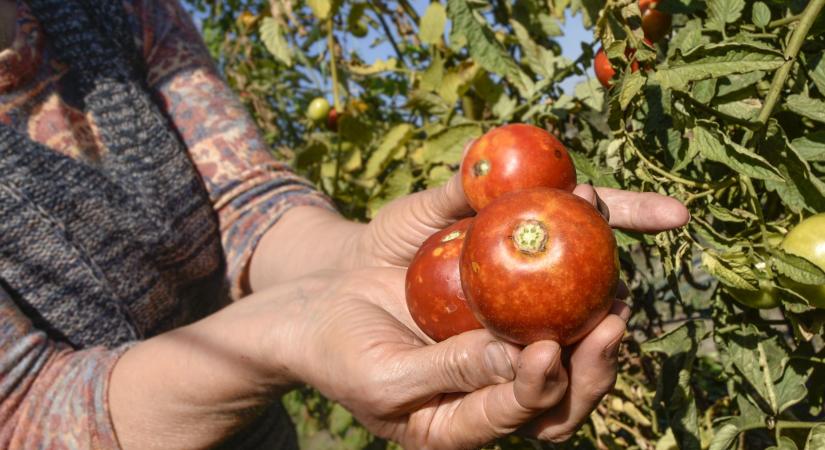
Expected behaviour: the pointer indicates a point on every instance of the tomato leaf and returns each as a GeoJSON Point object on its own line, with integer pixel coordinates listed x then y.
{"type": "Point", "coordinates": [797, 268]}
{"type": "Point", "coordinates": [273, 38]}
{"type": "Point", "coordinates": [806, 107]}
{"type": "Point", "coordinates": [720, 148]}
{"type": "Point", "coordinates": [431, 29]}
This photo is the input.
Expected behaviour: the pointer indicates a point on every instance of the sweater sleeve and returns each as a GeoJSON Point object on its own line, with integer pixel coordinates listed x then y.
{"type": "Point", "coordinates": [249, 189]}
{"type": "Point", "coordinates": [50, 395]}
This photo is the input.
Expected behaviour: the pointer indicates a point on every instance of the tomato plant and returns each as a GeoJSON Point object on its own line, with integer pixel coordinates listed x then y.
{"type": "Point", "coordinates": [726, 116]}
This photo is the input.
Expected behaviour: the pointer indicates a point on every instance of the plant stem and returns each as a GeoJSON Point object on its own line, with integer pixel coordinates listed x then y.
{"type": "Point", "coordinates": [784, 21]}
{"type": "Point", "coordinates": [336, 99]}
{"type": "Point", "coordinates": [806, 20]}
{"type": "Point", "coordinates": [670, 176]}
{"type": "Point", "coordinates": [796, 424]}
{"type": "Point", "coordinates": [333, 67]}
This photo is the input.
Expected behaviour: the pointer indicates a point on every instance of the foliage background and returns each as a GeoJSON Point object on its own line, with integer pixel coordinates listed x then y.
{"type": "Point", "coordinates": [727, 115]}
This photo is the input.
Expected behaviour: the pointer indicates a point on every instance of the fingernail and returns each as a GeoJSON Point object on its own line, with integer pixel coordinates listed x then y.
{"type": "Point", "coordinates": [555, 361]}
{"type": "Point", "coordinates": [498, 360]}
{"type": "Point", "coordinates": [602, 207]}
{"type": "Point", "coordinates": [612, 349]}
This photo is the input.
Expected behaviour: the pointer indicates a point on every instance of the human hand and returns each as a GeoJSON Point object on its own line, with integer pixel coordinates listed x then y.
{"type": "Point", "coordinates": [355, 341]}
{"type": "Point", "coordinates": [394, 236]}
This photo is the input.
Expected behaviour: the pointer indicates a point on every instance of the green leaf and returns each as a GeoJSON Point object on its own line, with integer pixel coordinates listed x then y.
{"type": "Point", "coordinates": [724, 273]}
{"type": "Point", "coordinates": [438, 176]}
{"type": "Point", "coordinates": [811, 147]}
{"type": "Point", "coordinates": [587, 170]}
{"type": "Point", "coordinates": [678, 340]}
{"type": "Point", "coordinates": [447, 146]}
{"type": "Point", "coordinates": [273, 38]}
{"type": "Point", "coordinates": [541, 60]}
{"type": "Point", "coordinates": [632, 84]}
{"type": "Point", "coordinates": [761, 14]}
{"type": "Point", "coordinates": [724, 437]}
{"type": "Point", "coordinates": [484, 48]}
{"type": "Point", "coordinates": [817, 72]}
{"type": "Point", "coordinates": [736, 83]}
{"type": "Point", "coordinates": [320, 8]}
{"type": "Point", "coordinates": [718, 147]}
{"type": "Point", "coordinates": [591, 93]}
{"type": "Point", "coordinates": [785, 443]}
{"type": "Point", "coordinates": [816, 439]}
{"type": "Point", "coordinates": [726, 215]}
{"type": "Point", "coordinates": [801, 189]}
{"type": "Point", "coordinates": [730, 62]}
{"type": "Point", "coordinates": [807, 107]}
{"type": "Point", "coordinates": [797, 268]}
{"type": "Point", "coordinates": [722, 12]}
{"type": "Point", "coordinates": [790, 389]}
{"type": "Point", "coordinates": [393, 141]}
{"type": "Point", "coordinates": [376, 67]}
{"type": "Point", "coordinates": [431, 29]}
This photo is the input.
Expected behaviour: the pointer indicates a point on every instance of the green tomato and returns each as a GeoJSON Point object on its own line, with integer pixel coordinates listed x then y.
{"type": "Point", "coordinates": [766, 297]}
{"type": "Point", "coordinates": [807, 240]}
{"type": "Point", "coordinates": [318, 110]}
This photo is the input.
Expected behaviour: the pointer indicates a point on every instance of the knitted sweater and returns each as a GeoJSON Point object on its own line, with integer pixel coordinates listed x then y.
{"type": "Point", "coordinates": [55, 355]}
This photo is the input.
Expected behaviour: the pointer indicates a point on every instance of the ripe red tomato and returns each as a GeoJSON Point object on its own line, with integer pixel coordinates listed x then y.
{"type": "Point", "coordinates": [434, 295]}
{"type": "Point", "coordinates": [332, 120]}
{"type": "Point", "coordinates": [655, 23]}
{"type": "Point", "coordinates": [540, 264]}
{"type": "Point", "coordinates": [318, 109]}
{"type": "Point", "coordinates": [604, 69]}
{"type": "Point", "coordinates": [512, 158]}
{"type": "Point", "coordinates": [808, 241]}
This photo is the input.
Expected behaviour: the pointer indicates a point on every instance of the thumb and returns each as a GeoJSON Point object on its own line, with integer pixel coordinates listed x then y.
{"type": "Point", "coordinates": [403, 225]}
{"type": "Point", "coordinates": [462, 363]}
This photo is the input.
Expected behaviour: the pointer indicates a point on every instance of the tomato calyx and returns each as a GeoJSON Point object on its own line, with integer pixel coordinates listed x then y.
{"type": "Point", "coordinates": [481, 168]}
{"type": "Point", "coordinates": [530, 237]}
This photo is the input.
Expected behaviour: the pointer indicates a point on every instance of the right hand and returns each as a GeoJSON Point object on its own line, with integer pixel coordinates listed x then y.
{"type": "Point", "coordinates": [349, 335]}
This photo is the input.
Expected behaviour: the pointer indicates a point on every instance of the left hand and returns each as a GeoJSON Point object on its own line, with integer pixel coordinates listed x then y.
{"type": "Point", "coordinates": [395, 234]}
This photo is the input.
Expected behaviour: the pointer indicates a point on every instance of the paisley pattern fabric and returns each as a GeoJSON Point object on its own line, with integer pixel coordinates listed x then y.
{"type": "Point", "coordinates": [53, 390]}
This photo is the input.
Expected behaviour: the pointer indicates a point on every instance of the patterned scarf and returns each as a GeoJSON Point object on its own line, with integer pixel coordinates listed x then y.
{"type": "Point", "coordinates": [106, 254]}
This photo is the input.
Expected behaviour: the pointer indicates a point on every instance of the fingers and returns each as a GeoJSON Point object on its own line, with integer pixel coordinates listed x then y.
{"type": "Point", "coordinates": [588, 193]}
{"type": "Point", "coordinates": [499, 410]}
{"type": "Point", "coordinates": [646, 212]}
{"type": "Point", "coordinates": [462, 363]}
{"type": "Point", "coordinates": [592, 370]}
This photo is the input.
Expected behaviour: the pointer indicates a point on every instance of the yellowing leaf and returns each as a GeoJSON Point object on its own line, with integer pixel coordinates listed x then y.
{"type": "Point", "coordinates": [273, 38]}
{"type": "Point", "coordinates": [432, 24]}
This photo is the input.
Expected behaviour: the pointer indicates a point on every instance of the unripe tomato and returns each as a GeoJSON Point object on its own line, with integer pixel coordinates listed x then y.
{"type": "Point", "coordinates": [332, 120]}
{"type": "Point", "coordinates": [318, 110]}
{"type": "Point", "coordinates": [808, 241]}
{"type": "Point", "coordinates": [655, 23]}
{"type": "Point", "coordinates": [540, 264]}
{"type": "Point", "coordinates": [512, 158]}
{"type": "Point", "coordinates": [766, 297]}
{"type": "Point", "coordinates": [434, 295]}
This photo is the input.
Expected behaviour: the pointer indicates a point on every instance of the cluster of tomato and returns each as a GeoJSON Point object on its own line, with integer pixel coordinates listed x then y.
{"type": "Point", "coordinates": [806, 240]}
{"type": "Point", "coordinates": [655, 25]}
{"type": "Point", "coordinates": [535, 262]}
{"type": "Point", "coordinates": [319, 111]}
